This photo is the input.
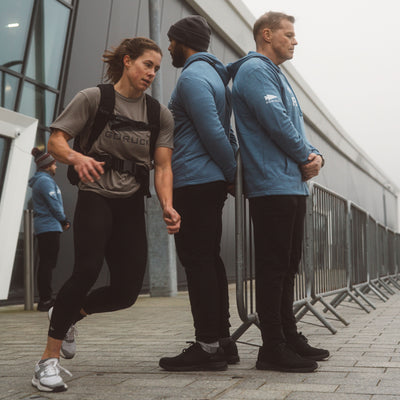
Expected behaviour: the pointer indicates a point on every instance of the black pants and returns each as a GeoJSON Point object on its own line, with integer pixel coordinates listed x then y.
{"type": "Point", "coordinates": [278, 234]}
{"type": "Point", "coordinates": [48, 246]}
{"type": "Point", "coordinates": [198, 248]}
{"type": "Point", "coordinates": [110, 229]}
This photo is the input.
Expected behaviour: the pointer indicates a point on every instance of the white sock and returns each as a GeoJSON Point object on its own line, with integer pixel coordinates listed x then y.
{"type": "Point", "coordinates": [209, 347]}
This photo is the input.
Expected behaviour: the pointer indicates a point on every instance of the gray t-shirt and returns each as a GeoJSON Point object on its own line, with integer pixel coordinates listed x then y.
{"type": "Point", "coordinates": [78, 118]}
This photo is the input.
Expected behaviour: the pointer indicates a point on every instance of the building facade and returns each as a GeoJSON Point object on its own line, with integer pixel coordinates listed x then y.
{"type": "Point", "coordinates": [51, 49]}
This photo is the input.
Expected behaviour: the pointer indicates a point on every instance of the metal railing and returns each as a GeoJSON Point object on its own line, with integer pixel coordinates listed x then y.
{"type": "Point", "coordinates": [28, 260]}
{"type": "Point", "coordinates": [245, 276]}
{"type": "Point", "coordinates": [346, 254]}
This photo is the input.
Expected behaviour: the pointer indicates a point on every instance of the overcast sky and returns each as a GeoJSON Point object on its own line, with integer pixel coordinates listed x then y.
{"type": "Point", "coordinates": [348, 53]}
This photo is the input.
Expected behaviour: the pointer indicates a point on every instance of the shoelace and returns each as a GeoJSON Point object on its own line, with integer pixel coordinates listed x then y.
{"type": "Point", "coordinates": [64, 369]}
{"type": "Point", "coordinates": [71, 333]}
{"type": "Point", "coordinates": [54, 368]}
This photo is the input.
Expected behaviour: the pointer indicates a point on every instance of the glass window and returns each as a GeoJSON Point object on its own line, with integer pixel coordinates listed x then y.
{"type": "Point", "coordinates": [48, 42]}
{"type": "Point", "coordinates": [5, 144]}
{"type": "Point", "coordinates": [15, 18]}
{"type": "Point", "coordinates": [8, 90]}
{"type": "Point", "coordinates": [38, 103]}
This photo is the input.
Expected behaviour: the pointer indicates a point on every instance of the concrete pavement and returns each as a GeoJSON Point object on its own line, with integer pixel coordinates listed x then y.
{"type": "Point", "coordinates": [118, 357]}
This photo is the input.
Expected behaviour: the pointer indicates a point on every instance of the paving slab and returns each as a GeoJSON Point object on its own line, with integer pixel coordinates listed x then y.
{"type": "Point", "coordinates": [118, 356]}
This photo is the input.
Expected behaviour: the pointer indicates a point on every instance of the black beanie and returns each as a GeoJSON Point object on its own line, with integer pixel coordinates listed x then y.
{"type": "Point", "coordinates": [192, 31]}
{"type": "Point", "coordinates": [43, 160]}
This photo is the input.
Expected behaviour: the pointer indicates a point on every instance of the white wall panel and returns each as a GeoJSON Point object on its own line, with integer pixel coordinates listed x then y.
{"type": "Point", "coordinates": [22, 131]}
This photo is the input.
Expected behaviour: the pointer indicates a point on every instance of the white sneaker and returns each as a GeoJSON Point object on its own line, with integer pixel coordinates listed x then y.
{"type": "Point", "coordinates": [47, 376]}
{"type": "Point", "coordinates": [68, 346]}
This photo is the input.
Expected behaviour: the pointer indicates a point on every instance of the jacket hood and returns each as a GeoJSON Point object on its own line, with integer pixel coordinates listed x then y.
{"type": "Point", "coordinates": [233, 68]}
{"type": "Point", "coordinates": [37, 176]}
{"type": "Point", "coordinates": [213, 61]}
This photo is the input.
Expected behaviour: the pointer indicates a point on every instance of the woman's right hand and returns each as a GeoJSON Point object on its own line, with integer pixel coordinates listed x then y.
{"type": "Point", "coordinates": [88, 169]}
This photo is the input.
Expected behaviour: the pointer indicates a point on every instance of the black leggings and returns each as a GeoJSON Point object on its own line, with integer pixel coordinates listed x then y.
{"type": "Point", "coordinates": [110, 229]}
{"type": "Point", "coordinates": [48, 246]}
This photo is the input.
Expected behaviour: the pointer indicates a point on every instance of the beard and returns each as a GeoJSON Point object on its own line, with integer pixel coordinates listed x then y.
{"type": "Point", "coordinates": [178, 56]}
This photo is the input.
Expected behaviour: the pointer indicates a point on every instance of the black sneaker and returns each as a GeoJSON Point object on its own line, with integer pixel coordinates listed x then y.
{"type": "Point", "coordinates": [194, 358]}
{"type": "Point", "coordinates": [299, 344]}
{"type": "Point", "coordinates": [45, 305]}
{"type": "Point", "coordinates": [282, 358]}
{"type": "Point", "coordinates": [230, 350]}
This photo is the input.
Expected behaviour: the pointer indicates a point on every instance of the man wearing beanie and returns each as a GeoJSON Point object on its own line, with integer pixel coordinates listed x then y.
{"type": "Point", "coordinates": [49, 222]}
{"type": "Point", "coordinates": [204, 168]}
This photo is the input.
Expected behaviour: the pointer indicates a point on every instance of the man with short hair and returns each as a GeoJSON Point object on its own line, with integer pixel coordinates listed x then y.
{"type": "Point", "coordinates": [277, 162]}
{"type": "Point", "coordinates": [204, 168]}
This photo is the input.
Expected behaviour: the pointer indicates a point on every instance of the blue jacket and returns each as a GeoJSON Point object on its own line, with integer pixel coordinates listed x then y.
{"type": "Point", "coordinates": [48, 210]}
{"type": "Point", "coordinates": [204, 145]}
{"type": "Point", "coordinates": [270, 128]}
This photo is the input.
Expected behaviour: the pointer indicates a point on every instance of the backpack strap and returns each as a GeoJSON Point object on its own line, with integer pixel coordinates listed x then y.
{"type": "Point", "coordinates": [104, 112]}
{"type": "Point", "coordinates": [103, 115]}
{"type": "Point", "coordinates": [153, 117]}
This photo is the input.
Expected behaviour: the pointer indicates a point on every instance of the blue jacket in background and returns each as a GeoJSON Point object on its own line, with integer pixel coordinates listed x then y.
{"type": "Point", "coordinates": [270, 128]}
{"type": "Point", "coordinates": [48, 209]}
{"type": "Point", "coordinates": [204, 145]}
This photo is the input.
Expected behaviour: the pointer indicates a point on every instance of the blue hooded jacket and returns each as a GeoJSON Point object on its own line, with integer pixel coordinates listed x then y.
{"type": "Point", "coordinates": [204, 145]}
{"type": "Point", "coordinates": [48, 209]}
{"type": "Point", "coordinates": [270, 128]}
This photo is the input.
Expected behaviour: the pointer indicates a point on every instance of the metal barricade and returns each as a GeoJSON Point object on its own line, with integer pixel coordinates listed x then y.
{"type": "Point", "coordinates": [305, 297]}
{"type": "Point", "coordinates": [383, 259]}
{"type": "Point", "coordinates": [345, 254]}
{"type": "Point", "coordinates": [28, 260]}
{"type": "Point", "coordinates": [373, 255]}
{"type": "Point", "coordinates": [325, 240]}
{"type": "Point", "coordinates": [391, 268]}
{"type": "Point", "coordinates": [301, 288]}
{"type": "Point", "coordinates": [245, 275]}
{"type": "Point", "coordinates": [355, 255]}
{"type": "Point", "coordinates": [397, 256]}
{"type": "Point", "coordinates": [359, 220]}
{"type": "Point", "coordinates": [330, 240]}
{"type": "Point", "coordinates": [358, 268]}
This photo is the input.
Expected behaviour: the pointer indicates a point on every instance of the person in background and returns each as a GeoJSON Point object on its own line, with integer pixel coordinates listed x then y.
{"type": "Point", "coordinates": [49, 222]}
{"type": "Point", "coordinates": [109, 221]}
{"type": "Point", "coordinates": [277, 162]}
{"type": "Point", "coordinates": [204, 168]}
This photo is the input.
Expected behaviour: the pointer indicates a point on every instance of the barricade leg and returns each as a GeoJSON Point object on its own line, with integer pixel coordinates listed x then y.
{"type": "Point", "coordinates": [300, 314]}
{"type": "Point", "coordinates": [243, 328]}
{"type": "Point", "coordinates": [337, 300]}
{"type": "Point", "coordinates": [385, 286]}
{"type": "Point", "coordinates": [297, 307]}
{"type": "Point", "coordinates": [360, 294]}
{"type": "Point", "coordinates": [393, 282]}
{"type": "Point", "coordinates": [309, 307]}
{"type": "Point", "coordinates": [348, 293]}
{"type": "Point", "coordinates": [371, 286]}
{"type": "Point", "coordinates": [354, 298]}
{"type": "Point", "coordinates": [333, 311]}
